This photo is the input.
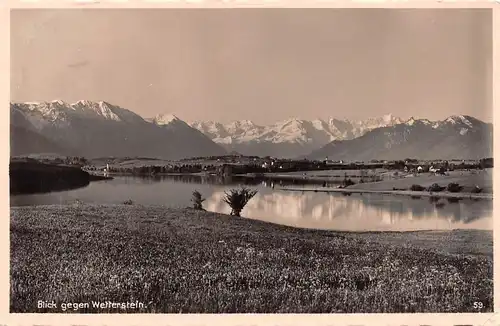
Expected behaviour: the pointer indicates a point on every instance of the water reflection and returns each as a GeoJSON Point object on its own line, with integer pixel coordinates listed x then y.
{"type": "Point", "coordinates": [229, 180]}
{"type": "Point", "coordinates": [361, 212]}
{"type": "Point", "coordinates": [301, 209]}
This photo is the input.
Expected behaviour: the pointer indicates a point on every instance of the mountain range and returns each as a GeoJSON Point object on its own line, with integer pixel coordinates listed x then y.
{"type": "Point", "coordinates": [96, 129]}
{"type": "Point", "coordinates": [289, 138]}
{"type": "Point", "coordinates": [457, 137]}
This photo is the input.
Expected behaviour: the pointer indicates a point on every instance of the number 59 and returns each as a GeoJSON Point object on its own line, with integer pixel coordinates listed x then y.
{"type": "Point", "coordinates": [478, 305]}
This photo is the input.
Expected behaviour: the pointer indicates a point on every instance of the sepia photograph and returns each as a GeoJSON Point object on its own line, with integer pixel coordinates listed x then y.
{"type": "Point", "coordinates": [278, 160]}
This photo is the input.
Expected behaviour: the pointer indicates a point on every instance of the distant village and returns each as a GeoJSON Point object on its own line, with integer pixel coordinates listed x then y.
{"type": "Point", "coordinates": [238, 164]}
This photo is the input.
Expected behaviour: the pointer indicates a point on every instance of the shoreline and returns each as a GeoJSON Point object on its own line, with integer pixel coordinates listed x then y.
{"type": "Point", "coordinates": [229, 218]}
{"type": "Point", "coordinates": [126, 174]}
{"type": "Point", "coordinates": [468, 181]}
{"type": "Point", "coordinates": [441, 194]}
{"type": "Point", "coordinates": [215, 263]}
{"type": "Point", "coordinates": [188, 210]}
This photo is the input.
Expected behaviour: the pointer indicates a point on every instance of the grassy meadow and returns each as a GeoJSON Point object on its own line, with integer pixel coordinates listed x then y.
{"type": "Point", "coordinates": [180, 260]}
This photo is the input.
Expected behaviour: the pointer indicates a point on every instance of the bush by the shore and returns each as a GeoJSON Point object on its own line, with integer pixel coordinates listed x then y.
{"type": "Point", "coordinates": [454, 187]}
{"type": "Point", "coordinates": [347, 182]}
{"type": "Point", "coordinates": [197, 200]}
{"type": "Point", "coordinates": [417, 188]}
{"type": "Point", "coordinates": [436, 188]}
{"type": "Point", "coordinates": [237, 199]}
{"type": "Point", "coordinates": [476, 190]}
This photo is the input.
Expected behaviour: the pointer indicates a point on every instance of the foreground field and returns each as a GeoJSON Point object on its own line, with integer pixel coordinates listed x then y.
{"type": "Point", "coordinates": [181, 260]}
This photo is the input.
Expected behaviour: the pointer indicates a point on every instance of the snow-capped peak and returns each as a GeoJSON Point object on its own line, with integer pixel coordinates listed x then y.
{"type": "Point", "coordinates": [165, 119]}
{"type": "Point", "coordinates": [240, 126]}
{"type": "Point", "coordinates": [60, 102]}
{"type": "Point", "coordinates": [240, 123]}
{"type": "Point", "coordinates": [101, 109]}
{"type": "Point", "coordinates": [58, 110]}
{"type": "Point", "coordinates": [292, 130]}
{"type": "Point", "coordinates": [411, 121]}
{"type": "Point", "coordinates": [388, 117]}
{"type": "Point", "coordinates": [454, 119]}
{"type": "Point", "coordinates": [247, 122]}
{"type": "Point", "coordinates": [106, 111]}
{"type": "Point", "coordinates": [82, 102]}
{"type": "Point", "coordinates": [293, 119]}
{"type": "Point", "coordinates": [319, 124]}
{"type": "Point", "coordinates": [204, 124]}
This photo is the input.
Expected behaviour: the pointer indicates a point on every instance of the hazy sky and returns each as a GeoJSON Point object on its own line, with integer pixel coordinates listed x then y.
{"type": "Point", "coordinates": [258, 64]}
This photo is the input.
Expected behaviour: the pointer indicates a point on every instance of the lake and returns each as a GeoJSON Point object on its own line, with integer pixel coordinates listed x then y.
{"type": "Point", "coordinates": [358, 212]}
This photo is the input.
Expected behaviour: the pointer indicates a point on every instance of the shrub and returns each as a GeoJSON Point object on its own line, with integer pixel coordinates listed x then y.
{"type": "Point", "coordinates": [238, 198]}
{"type": "Point", "coordinates": [436, 188]}
{"type": "Point", "coordinates": [417, 188]}
{"type": "Point", "coordinates": [347, 182]}
{"type": "Point", "coordinates": [454, 187]}
{"type": "Point", "coordinates": [128, 202]}
{"type": "Point", "coordinates": [476, 190]}
{"type": "Point", "coordinates": [197, 200]}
